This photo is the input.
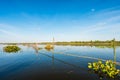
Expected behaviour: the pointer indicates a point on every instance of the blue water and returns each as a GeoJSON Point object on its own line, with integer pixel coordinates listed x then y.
{"type": "Point", "coordinates": [57, 64]}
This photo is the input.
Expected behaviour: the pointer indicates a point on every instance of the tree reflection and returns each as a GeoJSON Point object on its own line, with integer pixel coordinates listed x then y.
{"type": "Point", "coordinates": [48, 49]}
{"type": "Point", "coordinates": [114, 52]}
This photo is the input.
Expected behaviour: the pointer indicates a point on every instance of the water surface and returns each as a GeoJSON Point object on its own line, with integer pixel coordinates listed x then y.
{"type": "Point", "coordinates": [62, 63]}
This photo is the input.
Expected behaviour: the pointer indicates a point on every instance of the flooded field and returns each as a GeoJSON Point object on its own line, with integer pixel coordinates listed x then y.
{"type": "Point", "coordinates": [34, 62]}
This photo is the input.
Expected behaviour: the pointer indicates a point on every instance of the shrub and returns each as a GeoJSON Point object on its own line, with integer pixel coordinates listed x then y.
{"type": "Point", "coordinates": [11, 49]}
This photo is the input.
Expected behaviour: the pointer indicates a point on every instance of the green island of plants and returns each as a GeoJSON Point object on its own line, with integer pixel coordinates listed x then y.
{"type": "Point", "coordinates": [12, 48]}
{"type": "Point", "coordinates": [106, 69]}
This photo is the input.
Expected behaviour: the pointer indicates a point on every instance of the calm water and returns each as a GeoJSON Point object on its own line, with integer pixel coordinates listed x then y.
{"type": "Point", "coordinates": [62, 63]}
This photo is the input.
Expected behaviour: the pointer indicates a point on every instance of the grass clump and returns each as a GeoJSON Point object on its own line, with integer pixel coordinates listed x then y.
{"type": "Point", "coordinates": [49, 46]}
{"type": "Point", "coordinates": [11, 49]}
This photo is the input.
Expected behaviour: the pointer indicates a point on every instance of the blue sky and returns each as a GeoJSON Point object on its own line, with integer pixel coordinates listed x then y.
{"type": "Point", "coordinates": [65, 20]}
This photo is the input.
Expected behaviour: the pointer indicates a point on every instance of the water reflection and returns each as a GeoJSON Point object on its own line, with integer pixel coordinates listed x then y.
{"type": "Point", "coordinates": [112, 47]}
{"type": "Point", "coordinates": [62, 61]}
{"type": "Point", "coordinates": [100, 72]}
{"type": "Point", "coordinates": [49, 49]}
{"type": "Point", "coordinates": [114, 52]}
{"type": "Point", "coordinates": [55, 60]}
{"type": "Point", "coordinates": [34, 46]}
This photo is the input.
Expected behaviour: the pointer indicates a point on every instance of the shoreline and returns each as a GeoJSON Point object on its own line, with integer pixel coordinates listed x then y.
{"type": "Point", "coordinates": [74, 43]}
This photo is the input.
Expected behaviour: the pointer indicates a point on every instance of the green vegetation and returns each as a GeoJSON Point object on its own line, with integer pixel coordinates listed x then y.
{"type": "Point", "coordinates": [108, 43]}
{"type": "Point", "coordinates": [11, 49]}
{"type": "Point", "coordinates": [106, 69]}
{"type": "Point", "coordinates": [112, 42]}
{"type": "Point", "coordinates": [49, 46]}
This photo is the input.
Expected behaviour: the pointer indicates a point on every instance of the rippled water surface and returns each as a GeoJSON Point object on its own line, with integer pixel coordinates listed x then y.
{"type": "Point", "coordinates": [62, 63]}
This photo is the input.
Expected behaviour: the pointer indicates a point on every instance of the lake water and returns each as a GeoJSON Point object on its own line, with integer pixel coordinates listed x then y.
{"type": "Point", "coordinates": [62, 63]}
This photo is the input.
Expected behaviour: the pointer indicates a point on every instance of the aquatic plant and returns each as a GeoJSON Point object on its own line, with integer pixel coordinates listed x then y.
{"type": "Point", "coordinates": [107, 69]}
{"type": "Point", "coordinates": [48, 46]}
{"type": "Point", "coordinates": [11, 49]}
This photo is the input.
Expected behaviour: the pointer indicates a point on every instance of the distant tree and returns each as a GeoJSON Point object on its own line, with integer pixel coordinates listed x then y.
{"type": "Point", "coordinates": [113, 40]}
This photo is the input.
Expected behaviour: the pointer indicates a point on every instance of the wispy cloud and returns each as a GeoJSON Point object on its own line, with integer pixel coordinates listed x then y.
{"type": "Point", "coordinates": [103, 24]}
{"type": "Point", "coordinates": [10, 32]}
{"type": "Point", "coordinates": [103, 17]}
{"type": "Point", "coordinates": [16, 34]}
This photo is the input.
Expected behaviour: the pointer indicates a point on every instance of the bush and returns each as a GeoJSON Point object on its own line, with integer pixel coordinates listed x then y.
{"type": "Point", "coordinates": [11, 49]}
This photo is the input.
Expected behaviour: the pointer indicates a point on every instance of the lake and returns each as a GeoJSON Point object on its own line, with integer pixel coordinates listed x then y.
{"type": "Point", "coordinates": [61, 63]}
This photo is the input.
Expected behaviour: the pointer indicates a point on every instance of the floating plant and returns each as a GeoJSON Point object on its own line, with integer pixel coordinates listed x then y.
{"type": "Point", "coordinates": [107, 69]}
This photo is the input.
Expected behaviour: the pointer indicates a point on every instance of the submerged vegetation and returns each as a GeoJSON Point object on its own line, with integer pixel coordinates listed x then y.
{"type": "Point", "coordinates": [11, 49]}
{"type": "Point", "coordinates": [106, 69]}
